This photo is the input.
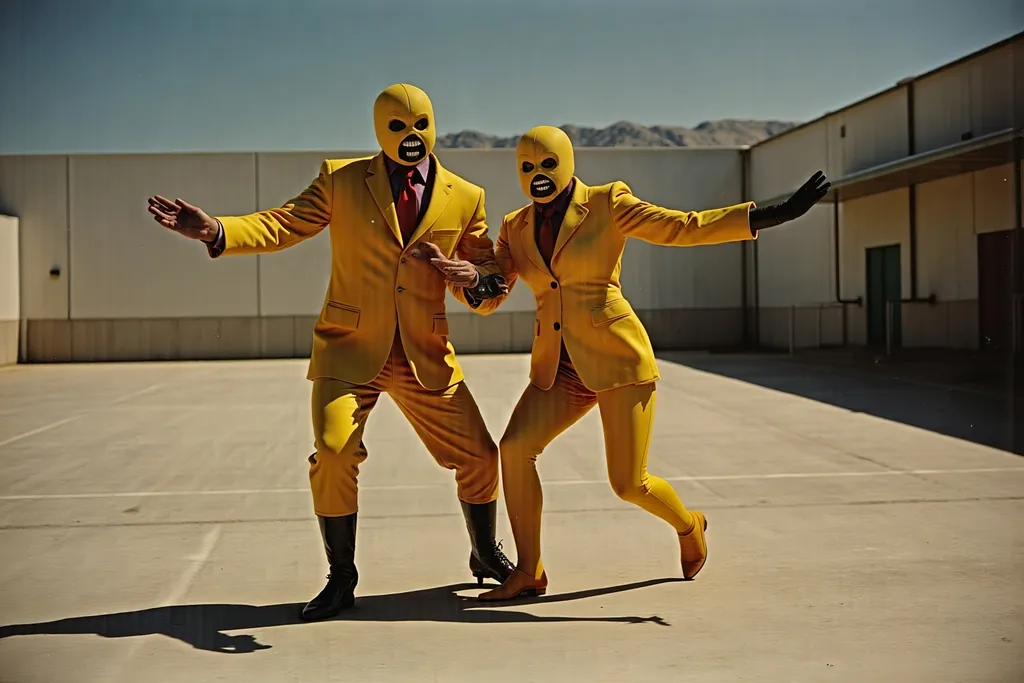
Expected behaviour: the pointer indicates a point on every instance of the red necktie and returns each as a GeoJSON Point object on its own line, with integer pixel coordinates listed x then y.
{"type": "Point", "coordinates": [405, 206]}
{"type": "Point", "coordinates": [547, 235]}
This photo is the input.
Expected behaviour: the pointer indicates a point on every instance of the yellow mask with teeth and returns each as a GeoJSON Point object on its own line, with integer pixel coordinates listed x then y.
{"type": "Point", "coordinates": [546, 164]}
{"type": "Point", "coordinates": [403, 119]}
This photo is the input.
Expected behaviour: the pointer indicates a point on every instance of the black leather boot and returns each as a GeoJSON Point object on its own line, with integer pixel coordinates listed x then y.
{"type": "Point", "coordinates": [486, 559]}
{"type": "Point", "coordinates": [339, 534]}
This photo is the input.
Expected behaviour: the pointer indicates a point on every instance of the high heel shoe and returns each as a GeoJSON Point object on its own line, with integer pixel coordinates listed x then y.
{"type": "Point", "coordinates": [693, 546]}
{"type": "Point", "coordinates": [520, 584]}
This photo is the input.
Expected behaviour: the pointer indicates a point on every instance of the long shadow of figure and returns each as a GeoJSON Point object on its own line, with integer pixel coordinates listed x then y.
{"type": "Point", "coordinates": [205, 627]}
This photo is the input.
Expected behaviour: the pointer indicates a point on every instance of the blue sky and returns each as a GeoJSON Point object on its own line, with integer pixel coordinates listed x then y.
{"type": "Point", "coordinates": [231, 75]}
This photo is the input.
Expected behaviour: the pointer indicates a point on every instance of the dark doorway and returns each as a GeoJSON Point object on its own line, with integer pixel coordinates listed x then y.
{"type": "Point", "coordinates": [995, 290]}
{"type": "Point", "coordinates": [883, 286]}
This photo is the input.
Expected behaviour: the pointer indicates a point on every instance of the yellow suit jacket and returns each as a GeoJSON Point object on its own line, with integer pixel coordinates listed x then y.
{"type": "Point", "coordinates": [375, 283]}
{"type": "Point", "coordinates": [579, 298]}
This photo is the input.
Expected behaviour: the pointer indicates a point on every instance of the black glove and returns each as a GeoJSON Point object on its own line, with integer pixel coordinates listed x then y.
{"type": "Point", "coordinates": [489, 287]}
{"type": "Point", "coordinates": [800, 203]}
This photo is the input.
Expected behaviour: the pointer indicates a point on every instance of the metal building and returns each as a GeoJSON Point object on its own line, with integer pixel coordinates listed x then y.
{"type": "Point", "coordinates": [918, 245]}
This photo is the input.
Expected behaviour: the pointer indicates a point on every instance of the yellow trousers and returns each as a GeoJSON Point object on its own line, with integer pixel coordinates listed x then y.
{"type": "Point", "coordinates": [448, 423]}
{"type": "Point", "coordinates": [627, 415]}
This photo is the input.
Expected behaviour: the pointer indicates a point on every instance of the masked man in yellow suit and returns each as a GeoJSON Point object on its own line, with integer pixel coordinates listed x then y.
{"type": "Point", "coordinates": [382, 327]}
{"type": "Point", "coordinates": [589, 348]}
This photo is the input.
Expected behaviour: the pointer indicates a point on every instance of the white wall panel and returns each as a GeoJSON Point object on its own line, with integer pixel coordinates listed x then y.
{"type": "Point", "coordinates": [947, 255]}
{"type": "Point", "coordinates": [687, 179]}
{"type": "Point", "coordinates": [782, 164]}
{"type": "Point", "coordinates": [125, 265]}
{"type": "Point", "coordinates": [942, 108]}
{"type": "Point", "coordinates": [876, 132]}
{"type": "Point", "coordinates": [10, 300]}
{"type": "Point", "coordinates": [34, 189]}
{"type": "Point", "coordinates": [795, 261]}
{"type": "Point", "coordinates": [991, 91]}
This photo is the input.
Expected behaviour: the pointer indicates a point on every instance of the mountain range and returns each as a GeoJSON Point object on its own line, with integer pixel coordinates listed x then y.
{"type": "Point", "coordinates": [721, 133]}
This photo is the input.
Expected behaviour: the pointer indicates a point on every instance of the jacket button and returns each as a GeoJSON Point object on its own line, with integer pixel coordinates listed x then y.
{"type": "Point", "coordinates": [554, 285]}
{"type": "Point", "coordinates": [557, 327]}
{"type": "Point", "coordinates": [403, 259]}
{"type": "Point", "coordinates": [401, 289]}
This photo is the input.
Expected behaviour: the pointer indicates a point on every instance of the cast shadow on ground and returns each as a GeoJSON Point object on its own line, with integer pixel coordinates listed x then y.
{"type": "Point", "coordinates": [206, 627]}
{"type": "Point", "coordinates": [969, 415]}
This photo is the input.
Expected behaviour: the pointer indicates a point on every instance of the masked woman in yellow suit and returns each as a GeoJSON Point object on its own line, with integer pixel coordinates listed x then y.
{"type": "Point", "coordinates": [589, 346]}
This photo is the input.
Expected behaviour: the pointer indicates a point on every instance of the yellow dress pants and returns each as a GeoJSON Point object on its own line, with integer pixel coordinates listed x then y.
{"type": "Point", "coordinates": [448, 423]}
{"type": "Point", "coordinates": [627, 416]}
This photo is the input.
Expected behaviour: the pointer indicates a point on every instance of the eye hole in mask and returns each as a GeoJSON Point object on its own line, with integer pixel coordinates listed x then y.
{"type": "Point", "coordinates": [396, 126]}
{"type": "Point", "coordinates": [527, 167]}
{"type": "Point", "coordinates": [548, 163]}
{"type": "Point", "coordinates": [422, 124]}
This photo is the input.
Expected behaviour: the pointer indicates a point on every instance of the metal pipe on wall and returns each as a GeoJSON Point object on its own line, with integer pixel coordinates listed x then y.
{"type": "Point", "coordinates": [838, 278]}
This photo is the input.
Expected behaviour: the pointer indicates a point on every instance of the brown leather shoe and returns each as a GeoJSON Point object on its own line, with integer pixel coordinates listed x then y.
{"type": "Point", "coordinates": [520, 584]}
{"type": "Point", "coordinates": [693, 546]}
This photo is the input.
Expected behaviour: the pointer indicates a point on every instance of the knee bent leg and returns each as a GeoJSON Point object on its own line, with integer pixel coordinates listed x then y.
{"type": "Point", "coordinates": [629, 491]}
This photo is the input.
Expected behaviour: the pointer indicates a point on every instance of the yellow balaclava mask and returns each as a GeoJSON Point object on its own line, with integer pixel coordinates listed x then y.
{"type": "Point", "coordinates": [403, 119]}
{"type": "Point", "coordinates": [546, 164]}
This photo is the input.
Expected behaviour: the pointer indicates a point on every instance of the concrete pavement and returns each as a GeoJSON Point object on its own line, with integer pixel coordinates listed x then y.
{"type": "Point", "coordinates": [156, 526]}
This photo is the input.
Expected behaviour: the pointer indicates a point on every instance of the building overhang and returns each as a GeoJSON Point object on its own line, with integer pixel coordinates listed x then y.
{"type": "Point", "coordinates": [978, 154]}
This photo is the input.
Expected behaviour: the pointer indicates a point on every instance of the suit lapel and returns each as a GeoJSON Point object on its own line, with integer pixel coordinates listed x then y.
{"type": "Point", "coordinates": [574, 215]}
{"type": "Point", "coordinates": [380, 187]}
{"type": "Point", "coordinates": [440, 195]}
{"type": "Point", "coordinates": [528, 236]}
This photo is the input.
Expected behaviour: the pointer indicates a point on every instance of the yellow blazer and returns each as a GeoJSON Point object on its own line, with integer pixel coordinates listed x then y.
{"type": "Point", "coordinates": [579, 299]}
{"type": "Point", "coordinates": [375, 283]}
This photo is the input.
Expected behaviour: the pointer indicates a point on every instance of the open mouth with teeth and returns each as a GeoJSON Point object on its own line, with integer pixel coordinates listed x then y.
{"type": "Point", "coordinates": [542, 186]}
{"type": "Point", "coordinates": [411, 149]}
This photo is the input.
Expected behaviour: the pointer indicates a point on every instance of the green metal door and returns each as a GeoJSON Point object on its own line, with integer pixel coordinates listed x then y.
{"type": "Point", "coordinates": [883, 286]}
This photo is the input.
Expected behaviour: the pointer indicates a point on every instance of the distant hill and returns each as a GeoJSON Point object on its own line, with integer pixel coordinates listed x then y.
{"type": "Point", "coordinates": [723, 133]}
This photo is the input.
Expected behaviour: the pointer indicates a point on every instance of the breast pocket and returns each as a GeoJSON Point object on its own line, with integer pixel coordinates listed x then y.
{"type": "Point", "coordinates": [447, 239]}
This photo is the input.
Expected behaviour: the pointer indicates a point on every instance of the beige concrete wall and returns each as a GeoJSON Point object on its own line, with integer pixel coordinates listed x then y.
{"type": "Point", "coordinates": [10, 290]}
{"type": "Point", "coordinates": [780, 165]}
{"type": "Point", "coordinates": [975, 97]}
{"type": "Point", "coordinates": [876, 132]}
{"type": "Point", "coordinates": [991, 83]}
{"type": "Point", "coordinates": [124, 265]}
{"type": "Point", "coordinates": [35, 190]}
{"type": "Point", "coordinates": [128, 289]}
{"type": "Point", "coordinates": [796, 268]}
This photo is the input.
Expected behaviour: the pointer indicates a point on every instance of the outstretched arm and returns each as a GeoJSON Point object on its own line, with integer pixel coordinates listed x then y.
{"type": "Point", "coordinates": [637, 218]}
{"type": "Point", "coordinates": [275, 229]}
{"type": "Point", "coordinates": [634, 217]}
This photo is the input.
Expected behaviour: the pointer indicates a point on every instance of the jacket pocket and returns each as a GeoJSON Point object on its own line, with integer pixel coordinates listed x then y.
{"type": "Point", "coordinates": [441, 325]}
{"type": "Point", "coordinates": [342, 316]}
{"type": "Point", "coordinates": [610, 312]}
{"type": "Point", "coordinates": [445, 239]}
{"type": "Point", "coordinates": [536, 327]}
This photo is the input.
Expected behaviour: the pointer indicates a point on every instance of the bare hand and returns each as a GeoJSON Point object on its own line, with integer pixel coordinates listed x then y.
{"type": "Point", "coordinates": [184, 219]}
{"type": "Point", "coordinates": [460, 273]}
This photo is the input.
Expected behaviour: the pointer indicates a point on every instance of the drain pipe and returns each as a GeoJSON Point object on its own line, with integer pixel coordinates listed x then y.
{"type": "Point", "coordinates": [839, 279]}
